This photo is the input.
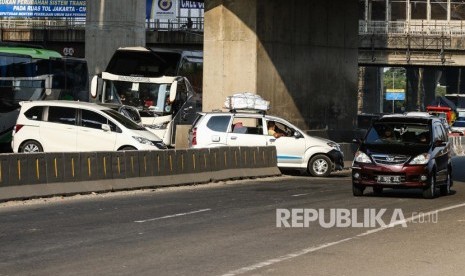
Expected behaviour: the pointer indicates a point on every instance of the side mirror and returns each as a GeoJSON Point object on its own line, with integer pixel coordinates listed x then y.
{"type": "Point", "coordinates": [93, 87]}
{"type": "Point", "coordinates": [298, 134]}
{"type": "Point", "coordinates": [106, 127]}
{"type": "Point", "coordinates": [173, 90]}
{"type": "Point", "coordinates": [439, 143]}
{"type": "Point", "coordinates": [48, 86]}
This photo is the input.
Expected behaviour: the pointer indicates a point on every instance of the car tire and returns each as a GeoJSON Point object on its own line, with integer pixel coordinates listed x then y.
{"type": "Point", "coordinates": [378, 190]}
{"type": "Point", "coordinates": [357, 190]}
{"type": "Point", "coordinates": [128, 148]}
{"type": "Point", "coordinates": [445, 189]}
{"type": "Point", "coordinates": [320, 165]}
{"type": "Point", "coordinates": [31, 146]}
{"type": "Point", "coordinates": [430, 191]}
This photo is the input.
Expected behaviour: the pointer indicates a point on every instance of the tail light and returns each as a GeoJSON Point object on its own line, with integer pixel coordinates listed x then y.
{"type": "Point", "coordinates": [194, 136]}
{"type": "Point", "coordinates": [17, 128]}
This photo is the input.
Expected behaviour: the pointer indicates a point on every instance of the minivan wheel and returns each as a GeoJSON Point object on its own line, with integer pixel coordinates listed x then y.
{"type": "Point", "coordinates": [320, 165]}
{"type": "Point", "coordinates": [357, 190]}
{"type": "Point", "coordinates": [31, 147]}
{"type": "Point", "coordinates": [445, 189]}
{"type": "Point", "coordinates": [429, 192]}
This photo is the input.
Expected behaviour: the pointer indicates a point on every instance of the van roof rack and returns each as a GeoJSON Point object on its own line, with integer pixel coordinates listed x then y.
{"type": "Point", "coordinates": [263, 112]}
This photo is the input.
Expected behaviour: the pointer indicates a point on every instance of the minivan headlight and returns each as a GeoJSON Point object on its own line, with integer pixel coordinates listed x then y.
{"type": "Point", "coordinates": [421, 159]}
{"type": "Point", "coordinates": [361, 157]}
{"type": "Point", "coordinates": [143, 140]}
{"type": "Point", "coordinates": [334, 145]}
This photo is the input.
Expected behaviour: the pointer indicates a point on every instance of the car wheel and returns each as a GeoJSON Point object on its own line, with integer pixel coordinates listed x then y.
{"type": "Point", "coordinates": [128, 148]}
{"type": "Point", "coordinates": [31, 147]}
{"type": "Point", "coordinates": [445, 189]}
{"type": "Point", "coordinates": [320, 165]}
{"type": "Point", "coordinates": [429, 192]}
{"type": "Point", "coordinates": [357, 190]}
{"type": "Point", "coordinates": [378, 190]}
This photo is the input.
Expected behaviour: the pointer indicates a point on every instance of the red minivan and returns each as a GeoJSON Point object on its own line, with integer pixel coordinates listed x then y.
{"type": "Point", "coordinates": [401, 151]}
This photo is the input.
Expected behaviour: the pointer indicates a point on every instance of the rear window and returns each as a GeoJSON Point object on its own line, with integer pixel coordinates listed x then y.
{"type": "Point", "coordinates": [34, 113]}
{"type": "Point", "coordinates": [219, 123]}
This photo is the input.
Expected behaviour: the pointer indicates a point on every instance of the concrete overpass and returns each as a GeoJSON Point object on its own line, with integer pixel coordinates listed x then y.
{"type": "Point", "coordinates": [425, 37]}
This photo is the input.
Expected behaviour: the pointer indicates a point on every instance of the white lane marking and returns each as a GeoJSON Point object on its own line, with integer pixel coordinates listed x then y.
{"type": "Point", "coordinates": [326, 245]}
{"type": "Point", "coordinates": [173, 216]}
{"type": "Point", "coordinates": [299, 195]}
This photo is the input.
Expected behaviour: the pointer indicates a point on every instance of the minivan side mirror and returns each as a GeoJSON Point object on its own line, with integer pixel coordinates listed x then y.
{"type": "Point", "coordinates": [298, 134]}
{"type": "Point", "coordinates": [439, 143]}
{"type": "Point", "coordinates": [106, 127]}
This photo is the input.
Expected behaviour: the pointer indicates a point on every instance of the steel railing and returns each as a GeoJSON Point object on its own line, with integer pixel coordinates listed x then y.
{"type": "Point", "coordinates": [416, 27]}
{"type": "Point", "coordinates": [179, 23]}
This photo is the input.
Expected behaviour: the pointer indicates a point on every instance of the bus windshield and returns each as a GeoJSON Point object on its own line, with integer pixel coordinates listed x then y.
{"type": "Point", "coordinates": [153, 97]}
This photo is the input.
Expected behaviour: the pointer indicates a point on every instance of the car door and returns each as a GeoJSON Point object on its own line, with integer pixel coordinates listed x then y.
{"type": "Point", "coordinates": [58, 132]}
{"type": "Point", "coordinates": [290, 148]}
{"type": "Point", "coordinates": [246, 131]}
{"type": "Point", "coordinates": [441, 152]}
{"type": "Point", "coordinates": [91, 136]}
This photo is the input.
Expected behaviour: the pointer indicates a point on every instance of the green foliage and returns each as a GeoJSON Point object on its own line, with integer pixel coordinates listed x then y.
{"type": "Point", "coordinates": [395, 78]}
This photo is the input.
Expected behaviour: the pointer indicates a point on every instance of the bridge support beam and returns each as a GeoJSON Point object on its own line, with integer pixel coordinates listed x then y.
{"type": "Point", "coordinates": [301, 55]}
{"type": "Point", "coordinates": [109, 25]}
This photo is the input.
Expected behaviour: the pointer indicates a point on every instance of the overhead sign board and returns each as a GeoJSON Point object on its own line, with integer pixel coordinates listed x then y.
{"type": "Point", "coordinates": [187, 4]}
{"type": "Point", "coordinates": [43, 8]}
{"type": "Point", "coordinates": [395, 94]}
{"type": "Point", "coordinates": [162, 9]}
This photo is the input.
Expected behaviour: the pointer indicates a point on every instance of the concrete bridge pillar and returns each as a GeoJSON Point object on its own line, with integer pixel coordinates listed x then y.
{"type": "Point", "coordinates": [110, 25]}
{"type": "Point", "coordinates": [301, 55]}
{"type": "Point", "coordinates": [372, 90]}
{"type": "Point", "coordinates": [413, 95]}
{"type": "Point", "coordinates": [431, 77]}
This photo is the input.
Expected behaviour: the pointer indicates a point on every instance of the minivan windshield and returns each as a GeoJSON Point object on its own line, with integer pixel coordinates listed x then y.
{"type": "Point", "coordinates": [127, 123]}
{"type": "Point", "coordinates": [398, 133]}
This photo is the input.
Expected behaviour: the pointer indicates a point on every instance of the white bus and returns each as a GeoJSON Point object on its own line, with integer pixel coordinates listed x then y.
{"type": "Point", "coordinates": [146, 79]}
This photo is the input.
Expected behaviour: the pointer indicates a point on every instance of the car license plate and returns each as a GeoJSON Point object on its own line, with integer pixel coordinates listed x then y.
{"type": "Point", "coordinates": [388, 179]}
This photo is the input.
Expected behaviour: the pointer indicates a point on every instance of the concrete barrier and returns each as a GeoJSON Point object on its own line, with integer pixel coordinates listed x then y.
{"type": "Point", "coordinates": [48, 174]}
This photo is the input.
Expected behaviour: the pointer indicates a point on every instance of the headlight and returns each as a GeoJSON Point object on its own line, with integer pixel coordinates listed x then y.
{"type": "Point", "coordinates": [361, 157]}
{"type": "Point", "coordinates": [421, 159]}
{"type": "Point", "coordinates": [334, 145]}
{"type": "Point", "coordinates": [143, 140]}
{"type": "Point", "coordinates": [158, 126]}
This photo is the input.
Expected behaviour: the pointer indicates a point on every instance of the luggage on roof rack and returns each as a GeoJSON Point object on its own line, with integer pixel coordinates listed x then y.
{"type": "Point", "coordinates": [246, 102]}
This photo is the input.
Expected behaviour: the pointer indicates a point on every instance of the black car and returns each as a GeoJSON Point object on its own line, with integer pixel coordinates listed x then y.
{"type": "Point", "coordinates": [401, 151]}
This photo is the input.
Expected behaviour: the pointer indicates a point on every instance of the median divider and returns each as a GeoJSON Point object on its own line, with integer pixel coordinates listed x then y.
{"type": "Point", "coordinates": [49, 174]}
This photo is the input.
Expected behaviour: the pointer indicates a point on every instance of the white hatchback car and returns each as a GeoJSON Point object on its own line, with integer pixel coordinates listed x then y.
{"type": "Point", "coordinates": [63, 126]}
{"type": "Point", "coordinates": [294, 148]}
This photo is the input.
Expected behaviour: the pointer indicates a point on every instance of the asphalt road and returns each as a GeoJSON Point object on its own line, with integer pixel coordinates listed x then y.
{"type": "Point", "coordinates": [231, 229]}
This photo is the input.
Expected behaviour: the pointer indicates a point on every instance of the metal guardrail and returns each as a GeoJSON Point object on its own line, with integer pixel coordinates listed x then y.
{"type": "Point", "coordinates": [416, 27]}
{"type": "Point", "coordinates": [179, 23]}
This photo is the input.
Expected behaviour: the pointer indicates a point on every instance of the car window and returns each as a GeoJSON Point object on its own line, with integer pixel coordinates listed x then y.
{"type": "Point", "coordinates": [279, 127]}
{"type": "Point", "coordinates": [62, 115]}
{"type": "Point", "coordinates": [219, 123]}
{"type": "Point", "coordinates": [34, 113]}
{"type": "Point", "coordinates": [245, 125]}
{"type": "Point", "coordinates": [439, 132]}
{"type": "Point", "coordinates": [92, 119]}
